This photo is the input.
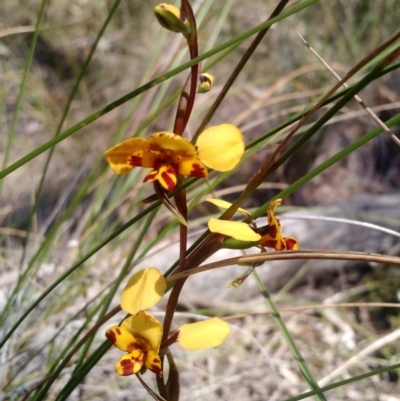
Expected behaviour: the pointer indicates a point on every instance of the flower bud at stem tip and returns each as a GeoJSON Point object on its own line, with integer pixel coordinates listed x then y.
{"type": "Point", "coordinates": [172, 18]}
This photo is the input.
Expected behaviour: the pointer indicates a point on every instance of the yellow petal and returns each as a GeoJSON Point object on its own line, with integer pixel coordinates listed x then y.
{"type": "Point", "coordinates": [226, 205]}
{"type": "Point", "coordinates": [221, 147]}
{"type": "Point", "coordinates": [131, 363]}
{"type": "Point", "coordinates": [153, 362]}
{"type": "Point", "coordinates": [144, 289]}
{"type": "Point", "coordinates": [122, 338]}
{"type": "Point", "coordinates": [234, 229]}
{"type": "Point", "coordinates": [272, 219]}
{"type": "Point", "coordinates": [192, 168]}
{"type": "Point", "coordinates": [117, 157]}
{"type": "Point", "coordinates": [146, 326]}
{"type": "Point", "coordinates": [207, 334]}
{"type": "Point", "coordinates": [170, 141]}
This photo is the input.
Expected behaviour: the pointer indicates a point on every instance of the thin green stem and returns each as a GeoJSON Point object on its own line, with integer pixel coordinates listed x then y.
{"type": "Point", "coordinates": [344, 382]}
{"type": "Point", "coordinates": [62, 120]}
{"type": "Point", "coordinates": [22, 87]}
{"type": "Point", "coordinates": [305, 370]}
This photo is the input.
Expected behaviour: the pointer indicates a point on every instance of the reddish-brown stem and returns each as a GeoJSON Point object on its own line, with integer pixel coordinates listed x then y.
{"type": "Point", "coordinates": [188, 95]}
{"type": "Point", "coordinates": [169, 341]}
{"type": "Point", "coordinates": [207, 248]}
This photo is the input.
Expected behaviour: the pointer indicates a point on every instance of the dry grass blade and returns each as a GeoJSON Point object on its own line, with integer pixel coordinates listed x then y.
{"type": "Point", "coordinates": [356, 97]}
{"type": "Point", "coordinates": [287, 255]}
{"type": "Point", "coordinates": [317, 307]}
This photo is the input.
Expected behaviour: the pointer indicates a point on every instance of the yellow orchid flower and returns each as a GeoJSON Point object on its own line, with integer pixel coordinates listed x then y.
{"type": "Point", "coordinates": [219, 148]}
{"type": "Point", "coordinates": [140, 334]}
{"type": "Point", "coordinates": [269, 236]}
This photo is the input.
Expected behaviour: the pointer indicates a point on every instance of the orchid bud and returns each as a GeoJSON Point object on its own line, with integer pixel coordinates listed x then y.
{"type": "Point", "coordinates": [206, 83]}
{"type": "Point", "coordinates": [172, 18]}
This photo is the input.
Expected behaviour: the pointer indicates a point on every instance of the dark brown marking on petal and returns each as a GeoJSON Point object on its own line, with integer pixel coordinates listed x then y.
{"type": "Point", "coordinates": [269, 243]}
{"type": "Point", "coordinates": [197, 171]}
{"type": "Point", "coordinates": [111, 336]}
{"type": "Point", "coordinates": [127, 367]}
{"type": "Point", "coordinates": [150, 176]}
{"type": "Point", "coordinates": [118, 331]}
{"type": "Point", "coordinates": [156, 369]}
{"type": "Point", "coordinates": [134, 345]}
{"type": "Point", "coordinates": [204, 78]}
{"type": "Point", "coordinates": [267, 230]}
{"type": "Point", "coordinates": [290, 243]}
{"type": "Point", "coordinates": [166, 176]}
{"type": "Point", "coordinates": [135, 160]}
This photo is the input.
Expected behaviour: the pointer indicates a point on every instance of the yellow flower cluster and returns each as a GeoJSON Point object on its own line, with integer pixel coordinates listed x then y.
{"type": "Point", "coordinates": [140, 334]}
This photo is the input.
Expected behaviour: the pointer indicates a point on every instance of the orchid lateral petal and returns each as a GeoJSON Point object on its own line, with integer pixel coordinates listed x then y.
{"type": "Point", "coordinates": [144, 289]}
{"type": "Point", "coordinates": [193, 168]}
{"type": "Point", "coordinates": [153, 362]}
{"type": "Point", "coordinates": [121, 338]}
{"type": "Point", "coordinates": [206, 334]}
{"type": "Point", "coordinates": [117, 157]}
{"type": "Point", "coordinates": [131, 363]}
{"type": "Point", "coordinates": [235, 229]}
{"type": "Point", "coordinates": [144, 325]}
{"type": "Point", "coordinates": [221, 147]}
{"type": "Point", "coordinates": [226, 205]}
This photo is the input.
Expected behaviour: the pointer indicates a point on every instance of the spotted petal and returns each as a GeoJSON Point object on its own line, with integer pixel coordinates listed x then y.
{"type": "Point", "coordinates": [122, 338]}
{"type": "Point", "coordinates": [234, 229]}
{"type": "Point", "coordinates": [153, 362]}
{"type": "Point", "coordinates": [131, 363]}
{"type": "Point", "coordinates": [221, 147]}
{"type": "Point", "coordinates": [144, 289]}
{"type": "Point", "coordinates": [118, 156]}
{"type": "Point", "coordinates": [192, 168]}
{"type": "Point", "coordinates": [207, 334]}
{"type": "Point", "coordinates": [165, 175]}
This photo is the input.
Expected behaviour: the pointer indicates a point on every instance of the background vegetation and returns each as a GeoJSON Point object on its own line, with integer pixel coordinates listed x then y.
{"type": "Point", "coordinates": [67, 220]}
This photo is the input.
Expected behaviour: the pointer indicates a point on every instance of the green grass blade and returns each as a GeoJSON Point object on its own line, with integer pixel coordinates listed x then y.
{"type": "Point", "coordinates": [305, 370]}
{"type": "Point", "coordinates": [23, 84]}
{"type": "Point", "coordinates": [52, 142]}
